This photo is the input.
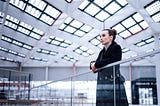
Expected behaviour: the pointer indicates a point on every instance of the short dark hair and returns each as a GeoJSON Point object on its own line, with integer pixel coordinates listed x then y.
{"type": "Point", "coordinates": [111, 32]}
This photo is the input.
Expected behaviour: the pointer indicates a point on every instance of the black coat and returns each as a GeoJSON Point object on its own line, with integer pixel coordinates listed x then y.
{"type": "Point", "coordinates": [105, 82]}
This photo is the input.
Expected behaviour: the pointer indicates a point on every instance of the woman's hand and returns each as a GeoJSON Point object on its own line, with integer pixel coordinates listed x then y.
{"type": "Point", "coordinates": [93, 68]}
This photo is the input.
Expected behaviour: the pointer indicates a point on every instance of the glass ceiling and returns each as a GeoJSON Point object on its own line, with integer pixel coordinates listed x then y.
{"type": "Point", "coordinates": [39, 9]}
{"type": "Point", "coordinates": [130, 26]}
{"type": "Point", "coordinates": [24, 28]}
{"type": "Point", "coordinates": [153, 10]}
{"type": "Point", "coordinates": [69, 58]}
{"type": "Point", "coordinates": [16, 42]}
{"type": "Point", "coordinates": [84, 51]}
{"type": "Point", "coordinates": [75, 27]}
{"type": "Point", "coordinates": [45, 12]}
{"type": "Point", "coordinates": [102, 9]}
{"type": "Point", "coordinates": [58, 42]}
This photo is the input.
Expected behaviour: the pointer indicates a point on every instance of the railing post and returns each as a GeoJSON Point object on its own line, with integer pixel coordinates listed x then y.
{"type": "Point", "coordinates": [114, 84]}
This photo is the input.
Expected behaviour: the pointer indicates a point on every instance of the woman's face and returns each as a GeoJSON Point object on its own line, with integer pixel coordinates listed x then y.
{"type": "Point", "coordinates": [105, 38]}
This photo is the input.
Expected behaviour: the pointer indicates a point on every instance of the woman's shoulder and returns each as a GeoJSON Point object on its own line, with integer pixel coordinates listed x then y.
{"type": "Point", "coordinates": [115, 44]}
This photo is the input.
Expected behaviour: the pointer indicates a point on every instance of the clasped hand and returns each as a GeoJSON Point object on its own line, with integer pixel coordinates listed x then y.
{"type": "Point", "coordinates": [92, 66]}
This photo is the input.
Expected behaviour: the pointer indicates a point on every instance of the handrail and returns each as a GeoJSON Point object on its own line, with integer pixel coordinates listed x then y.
{"type": "Point", "coordinates": [109, 65]}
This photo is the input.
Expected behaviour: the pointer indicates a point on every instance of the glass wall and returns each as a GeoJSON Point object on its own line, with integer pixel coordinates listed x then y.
{"type": "Point", "coordinates": [140, 86]}
{"type": "Point", "coordinates": [14, 85]}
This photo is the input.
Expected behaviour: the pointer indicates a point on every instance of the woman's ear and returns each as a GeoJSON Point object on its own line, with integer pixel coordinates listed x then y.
{"type": "Point", "coordinates": [111, 37]}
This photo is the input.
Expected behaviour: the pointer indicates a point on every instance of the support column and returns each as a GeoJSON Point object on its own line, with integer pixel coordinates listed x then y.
{"type": "Point", "coordinates": [46, 74]}
{"type": "Point", "coordinates": [157, 61]}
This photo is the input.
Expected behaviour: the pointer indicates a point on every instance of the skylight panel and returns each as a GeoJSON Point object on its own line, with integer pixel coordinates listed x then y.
{"type": "Point", "coordinates": [70, 29]}
{"type": "Point", "coordinates": [34, 35]}
{"type": "Point", "coordinates": [27, 46]}
{"type": "Point", "coordinates": [142, 43]}
{"type": "Point", "coordinates": [78, 51]}
{"type": "Point", "coordinates": [102, 15]}
{"type": "Point", "coordinates": [58, 42]}
{"type": "Point", "coordinates": [83, 51]}
{"type": "Point", "coordinates": [135, 29]}
{"type": "Point", "coordinates": [122, 2]}
{"type": "Point", "coordinates": [70, 58]}
{"type": "Point", "coordinates": [38, 31]}
{"type": "Point", "coordinates": [53, 53]}
{"type": "Point", "coordinates": [83, 48]}
{"type": "Point", "coordinates": [79, 33]}
{"type": "Point", "coordinates": [18, 3]}
{"type": "Point", "coordinates": [26, 25]}
{"type": "Point", "coordinates": [21, 55]}
{"type": "Point", "coordinates": [125, 34]}
{"type": "Point", "coordinates": [12, 52]}
{"type": "Point", "coordinates": [38, 3]}
{"type": "Point", "coordinates": [55, 42]}
{"type": "Point", "coordinates": [64, 45]}
{"type": "Point", "coordinates": [144, 24]}
{"type": "Point", "coordinates": [156, 17]}
{"type": "Point", "coordinates": [76, 24]}
{"type": "Point", "coordinates": [90, 51]}
{"type": "Point", "coordinates": [130, 26]}
{"type": "Point", "coordinates": [84, 4]}
{"type": "Point", "coordinates": [112, 8]}
{"type": "Point", "coordinates": [119, 28]}
{"type": "Point", "coordinates": [124, 50]}
{"type": "Point", "coordinates": [128, 22]}
{"type": "Point", "coordinates": [43, 51]}
{"type": "Point", "coordinates": [6, 39]}
{"type": "Point", "coordinates": [8, 59]}
{"type": "Point", "coordinates": [153, 10]}
{"type": "Point", "coordinates": [145, 42]}
{"type": "Point", "coordinates": [102, 9]}
{"type": "Point", "coordinates": [33, 11]}
{"type": "Point", "coordinates": [96, 42]}
{"type": "Point", "coordinates": [85, 54]}
{"type": "Point", "coordinates": [48, 52]}
{"type": "Point", "coordinates": [59, 39]}
{"type": "Point", "coordinates": [150, 40]}
{"type": "Point", "coordinates": [67, 42]}
{"type": "Point", "coordinates": [24, 28]}
{"type": "Point", "coordinates": [68, 20]}
{"type": "Point", "coordinates": [62, 26]}
{"type": "Point", "coordinates": [3, 49]}
{"type": "Point", "coordinates": [12, 19]}
{"type": "Point", "coordinates": [52, 11]}
{"type": "Point", "coordinates": [75, 27]}
{"type": "Point", "coordinates": [10, 24]}
{"type": "Point", "coordinates": [47, 19]}
{"type": "Point", "coordinates": [92, 9]}
{"type": "Point", "coordinates": [102, 3]}
{"type": "Point", "coordinates": [86, 28]}
{"type": "Point", "coordinates": [17, 43]}
{"type": "Point", "coordinates": [39, 59]}
{"type": "Point", "coordinates": [138, 17]}
{"type": "Point", "coordinates": [100, 46]}
{"type": "Point", "coordinates": [38, 9]}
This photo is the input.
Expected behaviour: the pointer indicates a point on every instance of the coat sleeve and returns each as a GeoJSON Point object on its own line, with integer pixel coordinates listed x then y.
{"type": "Point", "coordinates": [115, 54]}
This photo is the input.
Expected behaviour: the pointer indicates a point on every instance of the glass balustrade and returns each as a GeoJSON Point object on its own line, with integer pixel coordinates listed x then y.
{"type": "Point", "coordinates": [84, 89]}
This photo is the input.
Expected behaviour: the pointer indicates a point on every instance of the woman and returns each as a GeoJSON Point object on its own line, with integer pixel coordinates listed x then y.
{"type": "Point", "coordinates": [105, 81]}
